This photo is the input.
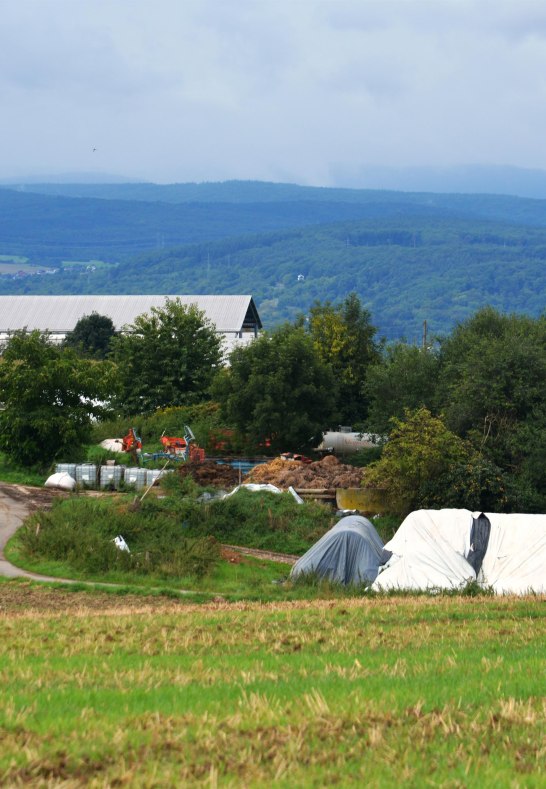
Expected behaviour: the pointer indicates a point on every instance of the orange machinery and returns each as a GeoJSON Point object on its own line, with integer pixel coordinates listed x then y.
{"type": "Point", "coordinates": [183, 448]}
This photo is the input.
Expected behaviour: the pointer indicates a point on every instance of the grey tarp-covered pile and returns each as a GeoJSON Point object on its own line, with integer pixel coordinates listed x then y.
{"type": "Point", "coordinates": [446, 549]}
{"type": "Point", "coordinates": [350, 553]}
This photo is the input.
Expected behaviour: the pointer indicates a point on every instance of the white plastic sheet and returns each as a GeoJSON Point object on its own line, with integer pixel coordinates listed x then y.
{"type": "Point", "coordinates": [429, 552]}
{"type": "Point", "coordinates": [430, 549]}
{"type": "Point", "coordinates": [120, 544]}
{"type": "Point", "coordinates": [515, 561]}
{"type": "Point", "coordinates": [254, 488]}
{"type": "Point", "coordinates": [112, 444]}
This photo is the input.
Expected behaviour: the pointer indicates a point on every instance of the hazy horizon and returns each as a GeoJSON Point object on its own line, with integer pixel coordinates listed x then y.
{"type": "Point", "coordinates": [312, 92]}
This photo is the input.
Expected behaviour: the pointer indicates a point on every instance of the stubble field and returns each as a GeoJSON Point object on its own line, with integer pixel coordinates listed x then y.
{"type": "Point", "coordinates": [100, 690]}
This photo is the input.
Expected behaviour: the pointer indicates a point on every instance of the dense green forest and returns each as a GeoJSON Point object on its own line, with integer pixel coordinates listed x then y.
{"type": "Point", "coordinates": [409, 257]}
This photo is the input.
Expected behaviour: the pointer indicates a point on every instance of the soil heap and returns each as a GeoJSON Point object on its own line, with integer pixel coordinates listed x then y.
{"type": "Point", "coordinates": [210, 473]}
{"type": "Point", "coordinates": [326, 473]}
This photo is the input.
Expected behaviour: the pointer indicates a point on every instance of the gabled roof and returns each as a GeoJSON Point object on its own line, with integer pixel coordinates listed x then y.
{"type": "Point", "coordinates": [59, 314]}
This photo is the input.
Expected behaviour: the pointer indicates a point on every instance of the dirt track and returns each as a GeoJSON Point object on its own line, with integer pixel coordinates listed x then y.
{"type": "Point", "coordinates": [16, 504]}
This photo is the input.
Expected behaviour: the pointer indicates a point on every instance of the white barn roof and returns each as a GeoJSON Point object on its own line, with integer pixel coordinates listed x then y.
{"type": "Point", "coordinates": [59, 314]}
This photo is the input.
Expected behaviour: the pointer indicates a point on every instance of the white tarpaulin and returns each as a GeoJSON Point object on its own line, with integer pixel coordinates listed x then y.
{"type": "Point", "coordinates": [515, 561]}
{"type": "Point", "coordinates": [254, 487]}
{"type": "Point", "coordinates": [349, 553]}
{"type": "Point", "coordinates": [428, 552]}
{"type": "Point", "coordinates": [112, 444]}
{"type": "Point", "coordinates": [431, 547]}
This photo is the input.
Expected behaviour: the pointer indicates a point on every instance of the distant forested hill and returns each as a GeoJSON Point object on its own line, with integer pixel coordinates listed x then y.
{"type": "Point", "coordinates": [50, 229]}
{"type": "Point", "coordinates": [406, 267]}
{"type": "Point", "coordinates": [375, 201]}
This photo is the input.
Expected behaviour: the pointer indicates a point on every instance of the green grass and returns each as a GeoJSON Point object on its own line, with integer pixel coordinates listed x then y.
{"type": "Point", "coordinates": [249, 578]}
{"type": "Point", "coordinates": [16, 475]}
{"type": "Point", "coordinates": [380, 692]}
{"type": "Point", "coordinates": [172, 536]}
{"type": "Point", "coordinates": [12, 259]}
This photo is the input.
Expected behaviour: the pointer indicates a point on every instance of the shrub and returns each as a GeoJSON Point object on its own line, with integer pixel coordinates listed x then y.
{"type": "Point", "coordinates": [264, 520]}
{"type": "Point", "coordinates": [81, 532]}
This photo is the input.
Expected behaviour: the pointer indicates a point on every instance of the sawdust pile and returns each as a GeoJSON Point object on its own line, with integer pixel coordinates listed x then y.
{"type": "Point", "coordinates": [326, 473]}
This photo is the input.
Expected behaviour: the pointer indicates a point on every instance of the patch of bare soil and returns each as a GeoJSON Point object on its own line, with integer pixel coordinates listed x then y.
{"type": "Point", "coordinates": [326, 473]}
{"type": "Point", "coordinates": [34, 498]}
{"type": "Point", "coordinates": [17, 597]}
{"type": "Point", "coordinates": [231, 556]}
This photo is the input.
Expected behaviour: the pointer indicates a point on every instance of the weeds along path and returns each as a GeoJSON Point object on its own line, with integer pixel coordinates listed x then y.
{"type": "Point", "coordinates": [16, 504]}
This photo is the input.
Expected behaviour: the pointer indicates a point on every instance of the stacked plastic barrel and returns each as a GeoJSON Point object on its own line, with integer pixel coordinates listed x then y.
{"type": "Point", "coordinates": [88, 475]}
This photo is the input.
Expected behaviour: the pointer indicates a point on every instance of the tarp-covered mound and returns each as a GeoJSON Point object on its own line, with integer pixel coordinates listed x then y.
{"type": "Point", "coordinates": [350, 553]}
{"type": "Point", "coordinates": [446, 549]}
{"type": "Point", "coordinates": [515, 560]}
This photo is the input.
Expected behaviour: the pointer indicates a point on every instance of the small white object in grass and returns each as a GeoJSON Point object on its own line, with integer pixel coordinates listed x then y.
{"type": "Point", "coordinates": [120, 543]}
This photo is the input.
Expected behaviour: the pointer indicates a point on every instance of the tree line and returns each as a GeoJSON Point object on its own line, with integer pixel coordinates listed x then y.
{"type": "Point", "coordinates": [460, 422]}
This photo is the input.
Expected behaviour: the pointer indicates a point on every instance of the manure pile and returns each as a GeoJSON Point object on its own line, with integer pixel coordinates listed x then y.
{"type": "Point", "coordinates": [326, 473]}
{"type": "Point", "coordinates": [211, 473]}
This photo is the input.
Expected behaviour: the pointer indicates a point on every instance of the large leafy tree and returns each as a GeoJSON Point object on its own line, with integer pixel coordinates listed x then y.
{"type": "Point", "coordinates": [493, 369]}
{"type": "Point", "coordinates": [49, 395]}
{"type": "Point", "coordinates": [404, 379]}
{"type": "Point", "coordinates": [345, 339]}
{"type": "Point", "coordinates": [424, 464]}
{"type": "Point", "coordinates": [278, 388]}
{"type": "Point", "coordinates": [167, 357]}
{"type": "Point", "coordinates": [491, 389]}
{"type": "Point", "coordinates": [91, 335]}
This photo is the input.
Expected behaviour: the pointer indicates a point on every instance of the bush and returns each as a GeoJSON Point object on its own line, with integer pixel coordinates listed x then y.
{"type": "Point", "coordinates": [263, 520]}
{"type": "Point", "coordinates": [81, 532]}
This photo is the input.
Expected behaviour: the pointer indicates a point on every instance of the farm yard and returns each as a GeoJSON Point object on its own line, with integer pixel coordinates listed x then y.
{"type": "Point", "coordinates": [182, 648]}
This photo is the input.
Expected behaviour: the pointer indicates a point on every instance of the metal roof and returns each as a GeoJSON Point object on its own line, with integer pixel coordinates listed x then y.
{"type": "Point", "coordinates": [59, 314]}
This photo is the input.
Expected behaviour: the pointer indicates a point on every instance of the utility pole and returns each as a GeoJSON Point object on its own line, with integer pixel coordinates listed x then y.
{"type": "Point", "coordinates": [424, 335]}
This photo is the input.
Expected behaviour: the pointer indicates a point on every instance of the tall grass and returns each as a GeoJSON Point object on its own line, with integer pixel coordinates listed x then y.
{"type": "Point", "coordinates": [80, 532]}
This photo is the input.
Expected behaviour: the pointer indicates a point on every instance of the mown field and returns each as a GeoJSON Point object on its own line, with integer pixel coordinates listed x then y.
{"type": "Point", "coordinates": [102, 690]}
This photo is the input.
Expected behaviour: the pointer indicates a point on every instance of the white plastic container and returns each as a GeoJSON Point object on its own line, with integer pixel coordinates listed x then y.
{"type": "Point", "coordinates": [86, 475]}
{"type": "Point", "coordinates": [153, 475]}
{"type": "Point", "coordinates": [136, 476]}
{"type": "Point", "coordinates": [66, 468]}
{"type": "Point", "coordinates": [111, 476]}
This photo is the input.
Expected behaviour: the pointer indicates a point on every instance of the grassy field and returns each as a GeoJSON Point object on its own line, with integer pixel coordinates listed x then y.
{"type": "Point", "coordinates": [419, 691]}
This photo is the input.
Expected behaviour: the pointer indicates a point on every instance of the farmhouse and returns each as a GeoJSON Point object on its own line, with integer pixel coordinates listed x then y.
{"type": "Point", "coordinates": [235, 317]}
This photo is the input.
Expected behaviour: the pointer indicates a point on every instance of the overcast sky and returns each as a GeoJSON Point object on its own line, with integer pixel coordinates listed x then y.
{"type": "Point", "coordinates": [303, 91]}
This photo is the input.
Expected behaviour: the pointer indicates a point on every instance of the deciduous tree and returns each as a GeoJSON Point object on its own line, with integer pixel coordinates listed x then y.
{"type": "Point", "coordinates": [49, 395]}
{"type": "Point", "coordinates": [91, 335]}
{"type": "Point", "coordinates": [405, 378]}
{"type": "Point", "coordinates": [344, 337]}
{"type": "Point", "coordinates": [166, 358]}
{"type": "Point", "coordinates": [278, 388]}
